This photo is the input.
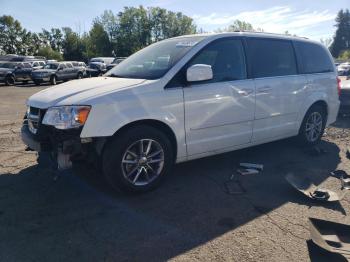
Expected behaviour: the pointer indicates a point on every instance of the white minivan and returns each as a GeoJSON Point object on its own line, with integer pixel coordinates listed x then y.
{"type": "Point", "coordinates": [185, 98]}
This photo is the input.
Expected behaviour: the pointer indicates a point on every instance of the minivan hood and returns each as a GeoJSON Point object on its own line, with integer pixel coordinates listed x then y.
{"type": "Point", "coordinates": [78, 91]}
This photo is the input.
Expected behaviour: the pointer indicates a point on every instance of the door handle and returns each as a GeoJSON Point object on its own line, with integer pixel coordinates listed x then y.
{"type": "Point", "coordinates": [265, 89]}
{"type": "Point", "coordinates": [245, 92]}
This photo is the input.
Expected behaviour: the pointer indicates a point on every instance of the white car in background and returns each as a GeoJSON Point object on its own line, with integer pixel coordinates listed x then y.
{"type": "Point", "coordinates": [185, 98]}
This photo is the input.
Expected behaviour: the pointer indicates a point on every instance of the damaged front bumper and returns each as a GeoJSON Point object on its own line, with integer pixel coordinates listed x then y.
{"type": "Point", "coordinates": [63, 146]}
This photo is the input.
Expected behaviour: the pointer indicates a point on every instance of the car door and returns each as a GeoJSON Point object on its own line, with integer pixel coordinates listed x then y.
{"type": "Point", "coordinates": [62, 72]}
{"type": "Point", "coordinates": [279, 87]}
{"type": "Point", "coordinates": [27, 71]}
{"type": "Point", "coordinates": [219, 113]}
{"type": "Point", "coordinates": [19, 72]}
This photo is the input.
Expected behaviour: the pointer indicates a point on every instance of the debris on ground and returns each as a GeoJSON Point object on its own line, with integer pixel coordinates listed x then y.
{"type": "Point", "coordinates": [343, 177]}
{"type": "Point", "coordinates": [258, 167]}
{"type": "Point", "coordinates": [331, 236]}
{"type": "Point", "coordinates": [305, 186]}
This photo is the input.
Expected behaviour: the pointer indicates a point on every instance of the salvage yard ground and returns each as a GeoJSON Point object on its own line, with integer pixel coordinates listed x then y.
{"type": "Point", "coordinates": [76, 217]}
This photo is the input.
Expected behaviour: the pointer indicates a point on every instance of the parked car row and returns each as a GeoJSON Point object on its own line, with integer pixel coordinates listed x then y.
{"type": "Point", "coordinates": [14, 68]}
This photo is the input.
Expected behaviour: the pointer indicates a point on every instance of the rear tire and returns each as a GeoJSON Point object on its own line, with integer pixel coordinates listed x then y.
{"type": "Point", "coordinates": [313, 125]}
{"type": "Point", "coordinates": [80, 76]}
{"type": "Point", "coordinates": [137, 160]}
{"type": "Point", "coordinates": [9, 81]}
{"type": "Point", "coordinates": [53, 80]}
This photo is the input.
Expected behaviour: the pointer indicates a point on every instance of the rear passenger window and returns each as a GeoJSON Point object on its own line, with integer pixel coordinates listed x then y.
{"type": "Point", "coordinates": [313, 58]}
{"type": "Point", "coordinates": [271, 58]}
{"type": "Point", "coordinates": [226, 58]}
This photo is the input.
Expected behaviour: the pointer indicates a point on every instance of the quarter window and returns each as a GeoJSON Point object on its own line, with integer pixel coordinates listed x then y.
{"type": "Point", "coordinates": [271, 58]}
{"type": "Point", "coordinates": [313, 58]}
{"type": "Point", "coordinates": [226, 57]}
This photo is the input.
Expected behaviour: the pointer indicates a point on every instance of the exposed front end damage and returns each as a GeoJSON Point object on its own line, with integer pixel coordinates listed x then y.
{"type": "Point", "coordinates": [61, 147]}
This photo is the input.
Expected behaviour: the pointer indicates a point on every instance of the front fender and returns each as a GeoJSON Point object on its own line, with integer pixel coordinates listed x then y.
{"type": "Point", "coordinates": [112, 113]}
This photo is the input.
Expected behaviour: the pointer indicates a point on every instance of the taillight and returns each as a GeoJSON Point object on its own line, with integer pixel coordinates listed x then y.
{"type": "Point", "coordinates": [338, 85]}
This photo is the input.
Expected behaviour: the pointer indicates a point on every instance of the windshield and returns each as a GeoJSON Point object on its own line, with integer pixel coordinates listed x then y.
{"type": "Point", "coordinates": [51, 66]}
{"type": "Point", "coordinates": [155, 60]}
{"type": "Point", "coordinates": [8, 65]}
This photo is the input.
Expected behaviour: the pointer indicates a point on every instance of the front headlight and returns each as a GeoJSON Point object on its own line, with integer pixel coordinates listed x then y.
{"type": "Point", "coordinates": [66, 117]}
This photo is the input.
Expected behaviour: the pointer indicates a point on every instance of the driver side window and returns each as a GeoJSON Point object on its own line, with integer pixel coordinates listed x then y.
{"type": "Point", "coordinates": [226, 57]}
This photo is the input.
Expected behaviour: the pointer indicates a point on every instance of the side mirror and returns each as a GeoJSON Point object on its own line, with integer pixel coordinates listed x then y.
{"type": "Point", "coordinates": [199, 72]}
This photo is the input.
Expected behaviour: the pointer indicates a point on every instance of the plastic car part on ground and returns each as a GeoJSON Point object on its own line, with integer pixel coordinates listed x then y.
{"type": "Point", "coordinates": [310, 190]}
{"type": "Point", "coordinates": [258, 167]}
{"type": "Point", "coordinates": [331, 236]}
{"type": "Point", "coordinates": [344, 178]}
{"type": "Point", "coordinates": [248, 171]}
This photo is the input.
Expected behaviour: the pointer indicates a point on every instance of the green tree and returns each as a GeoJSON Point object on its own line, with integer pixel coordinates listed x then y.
{"type": "Point", "coordinates": [11, 36]}
{"type": "Point", "coordinates": [239, 25]}
{"type": "Point", "coordinates": [98, 43]}
{"type": "Point", "coordinates": [49, 53]}
{"type": "Point", "coordinates": [341, 39]}
{"type": "Point", "coordinates": [73, 46]}
{"type": "Point", "coordinates": [345, 55]}
{"type": "Point", "coordinates": [54, 38]}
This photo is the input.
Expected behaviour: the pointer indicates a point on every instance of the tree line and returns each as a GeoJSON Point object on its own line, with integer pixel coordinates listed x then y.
{"type": "Point", "coordinates": [125, 32]}
{"type": "Point", "coordinates": [111, 34]}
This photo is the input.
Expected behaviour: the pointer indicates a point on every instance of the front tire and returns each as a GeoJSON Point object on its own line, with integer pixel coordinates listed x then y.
{"type": "Point", "coordinates": [138, 159]}
{"type": "Point", "coordinates": [313, 125]}
{"type": "Point", "coordinates": [9, 81]}
{"type": "Point", "coordinates": [79, 76]}
{"type": "Point", "coordinates": [53, 80]}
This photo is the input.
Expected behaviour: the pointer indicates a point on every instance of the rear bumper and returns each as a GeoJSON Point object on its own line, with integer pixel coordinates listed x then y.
{"type": "Point", "coordinates": [344, 101]}
{"type": "Point", "coordinates": [333, 109]}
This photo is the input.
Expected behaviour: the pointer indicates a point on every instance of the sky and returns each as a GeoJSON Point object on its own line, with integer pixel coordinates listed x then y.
{"type": "Point", "coordinates": [312, 19]}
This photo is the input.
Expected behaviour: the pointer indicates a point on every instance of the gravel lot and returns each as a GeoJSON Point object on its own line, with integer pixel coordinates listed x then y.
{"type": "Point", "coordinates": [192, 217]}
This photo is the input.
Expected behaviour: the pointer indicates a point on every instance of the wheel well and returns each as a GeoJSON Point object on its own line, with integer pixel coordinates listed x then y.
{"type": "Point", "coordinates": [322, 104]}
{"type": "Point", "coordinates": [156, 124]}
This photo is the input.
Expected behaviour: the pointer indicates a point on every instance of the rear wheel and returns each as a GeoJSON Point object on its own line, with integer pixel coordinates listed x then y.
{"type": "Point", "coordinates": [313, 125]}
{"type": "Point", "coordinates": [9, 80]}
{"type": "Point", "coordinates": [137, 160]}
{"type": "Point", "coordinates": [80, 76]}
{"type": "Point", "coordinates": [53, 80]}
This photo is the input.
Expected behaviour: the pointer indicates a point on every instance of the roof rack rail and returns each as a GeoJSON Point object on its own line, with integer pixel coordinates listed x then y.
{"type": "Point", "coordinates": [268, 33]}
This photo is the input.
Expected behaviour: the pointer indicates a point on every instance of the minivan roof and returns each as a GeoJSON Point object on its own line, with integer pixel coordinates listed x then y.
{"type": "Point", "coordinates": [250, 34]}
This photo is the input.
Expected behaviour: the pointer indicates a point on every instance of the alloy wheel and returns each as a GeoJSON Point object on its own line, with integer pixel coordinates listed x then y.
{"type": "Point", "coordinates": [143, 162]}
{"type": "Point", "coordinates": [313, 127]}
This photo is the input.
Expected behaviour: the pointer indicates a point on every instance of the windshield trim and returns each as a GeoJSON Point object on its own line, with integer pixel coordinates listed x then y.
{"type": "Point", "coordinates": [192, 42]}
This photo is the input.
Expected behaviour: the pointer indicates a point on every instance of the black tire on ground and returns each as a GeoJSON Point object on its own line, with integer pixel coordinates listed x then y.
{"type": "Point", "coordinates": [117, 173]}
{"type": "Point", "coordinates": [53, 80]}
{"type": "Point", "coordinates": [9, 80]}
{"type": "Point", "coordinates": [315, 119]}
{"type": "Point", "coordinates": [80, 75]}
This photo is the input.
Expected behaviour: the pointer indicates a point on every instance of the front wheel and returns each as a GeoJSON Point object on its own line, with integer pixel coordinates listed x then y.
{"type": "Point", "coordinates": [9, 81]}
{"type": "Point", "coordinates": [313, 125]}
{"type": "Point", "coordinates": [80, 76]}
{"type": "Point", "coordinates": [137, 160]}
{"type": "Point", "coordinates": [53, 80]}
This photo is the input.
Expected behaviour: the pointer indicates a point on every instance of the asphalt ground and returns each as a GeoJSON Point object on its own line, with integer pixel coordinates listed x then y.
{"type": "Point", "coordinates": [198, 214]}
